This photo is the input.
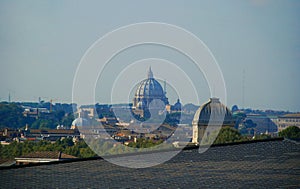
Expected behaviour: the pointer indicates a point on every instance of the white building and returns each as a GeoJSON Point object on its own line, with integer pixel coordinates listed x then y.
{"type": "Point", "coordinates": [287, 120]}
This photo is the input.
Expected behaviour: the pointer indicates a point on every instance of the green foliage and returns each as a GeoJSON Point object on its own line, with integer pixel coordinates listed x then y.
{"type": "Point", "coordinates": [67, 146]}
{"type": "Point", "coordinates": [227, 135]}
{"type": "Point", "coordinates": [239, 117]}
{"type": "Point", "coordinates": [144, 143]}
{"type": "Point", "coordinates": [12, 150]}
{"type": "Point", "coordinates": [248, 127]}
{"type": "Point", "coordinates": [291, 132]}
{"type": "Point", "coordinates": [262, 137]}
{"type": "Point", "coordinates": [11, 115]}
{"type": "Point", "coordinates": [67, 120]}
{"type": "Point", "coordinates": [59, 115]}
{"type": "Point", "coordinates": [44, 124]}
{"type": "Point", "coordinates": [249, 124]}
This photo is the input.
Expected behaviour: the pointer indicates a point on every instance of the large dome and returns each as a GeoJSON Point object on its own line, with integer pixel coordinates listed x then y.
{"type": "Point", "coordinates": [149, 89]}
{"type": "Point", "coordinates": [213, 108]}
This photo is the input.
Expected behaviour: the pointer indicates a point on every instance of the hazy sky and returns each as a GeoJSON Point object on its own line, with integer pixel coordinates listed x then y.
{"type": "Point", "coordinates": [42, 43]}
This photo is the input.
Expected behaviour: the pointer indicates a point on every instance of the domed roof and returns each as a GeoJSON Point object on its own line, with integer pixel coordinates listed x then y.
{"type": "Point", "coordinates": [80, 122]}
{"type": "Point", "coordinates": [213, 108]}
{"type": "Point", "coordinates": [140, 105]}
{"type": "Point", "coordinates": [149, 87]}
{"type": "Point", "coordinates": [177, 105]}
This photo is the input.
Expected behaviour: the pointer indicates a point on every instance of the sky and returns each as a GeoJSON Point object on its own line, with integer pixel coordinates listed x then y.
{"type": "Point", "coordinates": [256, 44]}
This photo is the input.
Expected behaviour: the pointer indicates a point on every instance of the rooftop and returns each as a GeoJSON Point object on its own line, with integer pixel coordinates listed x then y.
{"type": "Point", "coordinates": [251, 165]}
{"type": "Point", "coordinates": [290, 116]}
{"type": "Point", "coordinates": [48, 154]}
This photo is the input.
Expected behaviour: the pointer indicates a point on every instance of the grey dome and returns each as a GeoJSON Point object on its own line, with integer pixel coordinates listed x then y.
{"type": "Point", "coordinates": [217, 109]}
{"type": "Point", "coordinates": [148, 90]}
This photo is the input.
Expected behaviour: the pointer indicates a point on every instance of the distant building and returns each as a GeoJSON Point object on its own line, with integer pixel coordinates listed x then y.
{"type": "Point", "coordinates": [109, 120]}
{"type": "Point", "coordinates": [80, 122]}
{"type": "Point", "coordinates": [147, 91]}
{"type": "Point", "coordinates": [50, 134]}
{"type": "Point", "coordinates": [174, 108]}
{"type": "Point", "coordinates": [90, 112]}
{"type": "Point", "coordinates": [263, 123]}
{"type": "Point", "coordinates": [10, 133]}
{"type": "Point", "coordinates": [83, 120]}
{"type": "Point", "coordinates": [35, 112]}
{"type": "Point", "coordinates": [211, 113]}
{"type": "Point", "coordinates": [42, 157]}
{"type": "Point", "coordinates": [287, 120]}
{"type": "Point", "coordinates": [61, 127]}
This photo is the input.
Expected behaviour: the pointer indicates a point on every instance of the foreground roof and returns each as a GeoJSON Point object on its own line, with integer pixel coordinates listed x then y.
{"type": "Point", "coordinates": [48, 154]}
{"type": "Point", "coordinates": [253, 165]}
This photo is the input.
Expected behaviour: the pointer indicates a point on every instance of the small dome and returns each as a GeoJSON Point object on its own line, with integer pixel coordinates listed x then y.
{"type": "Point", "coordinates": [177, 105]}
{"type": "Point", "coordinates": [80, 122]}
{"type": "Point", "coordinates": [217, 109]}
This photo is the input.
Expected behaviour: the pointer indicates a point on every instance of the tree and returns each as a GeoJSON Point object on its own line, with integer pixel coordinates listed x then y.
{"type": "Point", "coordinates": [11, 115]}
{"type": "Point", "coordinates": [227, 135]}
{"type": "Point", "coordinates": [262, 137]}
{"type": "Point", "coordinates": [67, 120]}
{"type": "Point", "coordinates": [248, 127]}
{"type": "Point", "coordinates": [291, 132]}
{"type": "Point", "coordinates": [59, 115]}
{"type": "Point", "coordinates": [239, 118]}
{"type": "Point", "coordinates": [66, 142]}
{"type": "Point", "coordinates": [144, 143]}
{"type": "Point", "coordinates": [43, 124]}
{"type": "Point", "coordinates": [67, 146]}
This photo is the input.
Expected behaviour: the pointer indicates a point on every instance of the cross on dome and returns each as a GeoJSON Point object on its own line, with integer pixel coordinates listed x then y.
{"type": "Point", "coordinates": [150, 73]}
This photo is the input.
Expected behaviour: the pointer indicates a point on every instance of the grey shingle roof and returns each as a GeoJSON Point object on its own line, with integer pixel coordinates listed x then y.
{"type": "Point", "coordinates": [48, 154]}
{"type": "Point", "coordinates": [273, 164]}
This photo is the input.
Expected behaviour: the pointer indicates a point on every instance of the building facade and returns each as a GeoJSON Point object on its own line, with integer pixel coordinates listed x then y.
{"type": "Point", "coordinates": [287, 120]}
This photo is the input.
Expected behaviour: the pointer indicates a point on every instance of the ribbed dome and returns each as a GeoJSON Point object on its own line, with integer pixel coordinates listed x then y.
{"type": "Point", "coordinates": [213, 108]}
{"type": "Point", "coordinates": [148, 90]}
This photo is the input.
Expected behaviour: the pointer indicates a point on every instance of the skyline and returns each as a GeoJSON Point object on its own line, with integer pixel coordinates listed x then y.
{"type": "Point", "coordinates": [255, 43]}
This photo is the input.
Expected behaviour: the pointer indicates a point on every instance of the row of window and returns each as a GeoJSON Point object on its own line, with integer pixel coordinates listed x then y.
{"type": "Point", "coordinates": [286, 125]}
{"type": "Point", "coordinates": [289, 120]}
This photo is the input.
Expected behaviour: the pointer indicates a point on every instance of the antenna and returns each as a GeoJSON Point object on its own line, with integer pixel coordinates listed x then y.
{"type": "Point", "coordinates": [243, 90]}
{"type": "Point", "coordinates": [150, 73]}
{"type": "Point", "coordinates": [165, 87]}
{"type": "Point", "coordinates": [214, 91]}
{"type": "Point", "coordinates": [10, 93]}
